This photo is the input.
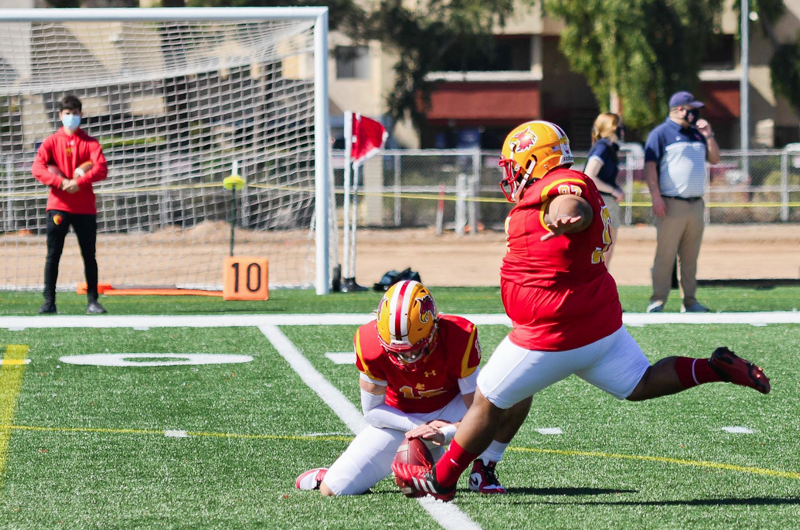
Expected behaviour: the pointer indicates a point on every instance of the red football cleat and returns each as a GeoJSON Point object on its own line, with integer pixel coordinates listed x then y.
{"type": "Point", "coordinates": [422, 479]}
{"type": "Point", "coordinates": [483, 478]}
{"type": "Point", "coordinates": [733, 369]}
{"type": "Point", "coordinates": [311, 479]}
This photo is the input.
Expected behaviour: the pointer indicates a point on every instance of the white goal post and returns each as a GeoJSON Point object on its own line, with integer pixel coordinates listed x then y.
{"type": "Point", "coordinates": [176, 97]}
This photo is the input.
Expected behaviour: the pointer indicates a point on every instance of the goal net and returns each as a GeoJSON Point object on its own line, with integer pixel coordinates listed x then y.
{"type": "Point", "coordinates": [175, 97]}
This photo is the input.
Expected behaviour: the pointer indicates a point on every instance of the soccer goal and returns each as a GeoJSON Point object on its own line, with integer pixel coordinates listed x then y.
{"type": "Point", "coordinates": [177, 98]}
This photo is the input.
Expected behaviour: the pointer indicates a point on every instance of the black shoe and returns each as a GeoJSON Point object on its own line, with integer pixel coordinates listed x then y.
{"type": "Point", "coordinates": [349, 285]}
{"type": "Point", "coordinates": [95, 308]}
{"type": "Point", "coordinates": [48, 308]}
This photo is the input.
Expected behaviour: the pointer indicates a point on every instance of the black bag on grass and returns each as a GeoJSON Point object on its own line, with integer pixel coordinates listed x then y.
{"type": "Point", "coordinates": [392, 277]}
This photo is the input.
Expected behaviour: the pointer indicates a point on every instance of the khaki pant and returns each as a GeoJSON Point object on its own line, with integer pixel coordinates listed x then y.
{"type": "Point", "coordinates": [679, 233]}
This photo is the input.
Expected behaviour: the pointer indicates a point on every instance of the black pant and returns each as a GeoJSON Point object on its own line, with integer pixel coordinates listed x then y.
{"type": "Point", "coordinates": [85, 227]}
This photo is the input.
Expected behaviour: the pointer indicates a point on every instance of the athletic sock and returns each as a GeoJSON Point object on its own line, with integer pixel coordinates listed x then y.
{"type": "Point", "coordinates": [452, 464]}
{"type": "Point", "coordinates": [693, 372]}
{"type": "Point", "coordinates": [493, 453]}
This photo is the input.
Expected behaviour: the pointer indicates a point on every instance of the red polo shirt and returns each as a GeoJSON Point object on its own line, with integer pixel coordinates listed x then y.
{"type": "Point", "coordinates": [68, 152]}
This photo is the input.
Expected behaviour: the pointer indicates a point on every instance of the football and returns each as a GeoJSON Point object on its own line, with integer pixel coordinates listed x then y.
{"type": "Point", "coordinates": [415, 452]}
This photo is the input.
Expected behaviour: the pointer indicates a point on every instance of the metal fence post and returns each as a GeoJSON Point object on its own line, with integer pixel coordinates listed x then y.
{"type": "Point", "coordinates": [164, 197]}
{"type": "Point", "coordinates": [461, 203]}
{"type": "Point", "coordinates": [244, 203]}
{"type": "Point", "coordinates": [707, 197]}
{"type": "Point", "coordinates": [634, 161]}
{"type": "Point", "coordinates": [785, 185]}
{"type": "Point", "coordinates": [10, 202]}
{"type": "Point", "coordinates": [397, 189]}
{"type": "Point", "coordinates": [473, 210]}
{"type": "Point", "coordinates": [629, 187]}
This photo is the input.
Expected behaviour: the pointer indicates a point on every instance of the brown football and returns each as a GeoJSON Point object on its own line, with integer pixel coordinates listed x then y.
{"type": "Point", "coordinates": [413, 452]}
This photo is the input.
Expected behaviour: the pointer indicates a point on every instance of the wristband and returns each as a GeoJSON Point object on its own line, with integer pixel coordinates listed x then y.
{"type": "Point", "coordinates": [449, 432]}
{"type": "Point", "coordinates": [79, 172]}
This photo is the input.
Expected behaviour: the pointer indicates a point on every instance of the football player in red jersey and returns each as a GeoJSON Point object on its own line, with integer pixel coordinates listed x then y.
{"type": "Point", "coordinates": [418, 377]}
{"type": "Point", "coordinates": [564, 307]}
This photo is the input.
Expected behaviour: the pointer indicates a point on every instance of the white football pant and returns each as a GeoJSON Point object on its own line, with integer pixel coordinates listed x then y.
{"type": "Point", "coordinates": [368, 458]}
{"type": "Point", "coordinates": [615, 364]}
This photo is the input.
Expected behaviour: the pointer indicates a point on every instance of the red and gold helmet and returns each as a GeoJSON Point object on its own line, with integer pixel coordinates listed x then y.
{"type": "Point", "coordinates": [407, 324]}
{"type": "Point", "coordinates": [530, 151]}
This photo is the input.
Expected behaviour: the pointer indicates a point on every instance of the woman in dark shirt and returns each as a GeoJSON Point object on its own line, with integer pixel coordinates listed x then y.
{"type": "Point", "coordinates": [602, 167]}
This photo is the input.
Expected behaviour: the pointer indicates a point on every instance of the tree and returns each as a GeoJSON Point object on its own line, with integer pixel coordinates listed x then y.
{"type": "Point", "coordinates": [642, 50]}
{"type": "Point", "coordinates": [420, 36]}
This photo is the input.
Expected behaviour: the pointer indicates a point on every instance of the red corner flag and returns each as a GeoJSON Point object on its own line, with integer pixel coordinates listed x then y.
{"type": "Point", "coordinates": [368, 137]}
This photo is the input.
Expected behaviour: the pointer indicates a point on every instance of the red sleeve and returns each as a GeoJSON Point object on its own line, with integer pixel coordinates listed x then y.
{"type": "Point", "coordinates": [99, 169]}
{"type": "Point", "coordinates": [471, 358]}
{"type": "Point", "coordinates": [44, 156]}
{"type": "Point", "coordinates": [371, 370]}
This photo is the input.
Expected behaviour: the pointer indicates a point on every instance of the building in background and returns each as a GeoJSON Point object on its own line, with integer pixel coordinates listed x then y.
{"type": "Point", "coordinates": [529, 78]}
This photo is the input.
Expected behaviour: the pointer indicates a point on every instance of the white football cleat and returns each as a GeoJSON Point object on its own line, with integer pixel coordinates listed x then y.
{"type": "Point", "coordinates": [311, 479]}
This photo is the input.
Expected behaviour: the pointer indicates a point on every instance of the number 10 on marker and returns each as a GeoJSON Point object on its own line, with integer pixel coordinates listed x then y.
{"type": "Point", "coordinates": [245, 278]}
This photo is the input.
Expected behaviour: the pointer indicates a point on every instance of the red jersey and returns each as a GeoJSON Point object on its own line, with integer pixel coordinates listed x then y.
{"type": "Point", "coordinates": [433, 385]}
{"type": "Point", "coordinates": [68, 152]}
{"type": "Point", "coordinates": [558, 293]}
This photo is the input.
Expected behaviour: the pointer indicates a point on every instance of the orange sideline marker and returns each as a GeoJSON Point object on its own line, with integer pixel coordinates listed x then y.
{"type": "Point", "coordinates": [101, 288]}
{"type": "Point", "coordinates": [245, 278]}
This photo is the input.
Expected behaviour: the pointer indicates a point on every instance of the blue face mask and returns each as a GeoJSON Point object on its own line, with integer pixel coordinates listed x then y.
{"type": "Point", "coordinates": [71, 121]}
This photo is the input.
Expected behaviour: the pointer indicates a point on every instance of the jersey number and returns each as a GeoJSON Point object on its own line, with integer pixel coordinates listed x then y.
{"type": "Point", "coordinates": [410, 393]}
{"type": "Point", "coordinates": [569, 189]}
{"type": "Point", "coordinates": [599, 253]}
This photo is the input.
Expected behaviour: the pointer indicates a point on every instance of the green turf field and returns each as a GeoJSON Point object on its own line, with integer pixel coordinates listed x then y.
{"type": "Point", "coordinates": [448, 299]}
{"type": "Point", "coordinates": [219, 445]}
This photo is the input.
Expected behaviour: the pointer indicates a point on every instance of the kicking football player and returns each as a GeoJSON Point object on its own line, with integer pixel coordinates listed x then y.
{"type": "Point", "coordinates": [564, 307]}
{"type": "Point", "coordinates": [418, 376]}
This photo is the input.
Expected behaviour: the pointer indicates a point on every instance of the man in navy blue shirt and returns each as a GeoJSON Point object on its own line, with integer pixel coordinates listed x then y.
{"type": "Point", "coordinates": [675, 157]}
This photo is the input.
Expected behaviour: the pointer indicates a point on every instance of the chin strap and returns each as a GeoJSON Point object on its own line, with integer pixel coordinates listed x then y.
{"type": "Point", "coordinates": [520, 187]}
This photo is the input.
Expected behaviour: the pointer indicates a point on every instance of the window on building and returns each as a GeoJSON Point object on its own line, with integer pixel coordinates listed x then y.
{"type": "Point", "coordinates": [352, 62]}
{"type": "Point", "coordinates": [508, 53]}
{"type": "Point", "coordinates": [719, 53]}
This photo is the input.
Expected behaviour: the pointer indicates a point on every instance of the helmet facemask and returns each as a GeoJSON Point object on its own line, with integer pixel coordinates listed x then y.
{"type": "Point", "coordinates": [411, 360]}
{"type": "Point", "coordinates": [513, 174]}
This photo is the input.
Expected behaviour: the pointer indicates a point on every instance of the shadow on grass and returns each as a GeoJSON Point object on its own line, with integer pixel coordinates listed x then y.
{"type": "Point", "coordinates": [747, 501]}
{"type": "Point", "coordinates": [571, 492]}
{"type": "Point", "coordinates": [463, 492]}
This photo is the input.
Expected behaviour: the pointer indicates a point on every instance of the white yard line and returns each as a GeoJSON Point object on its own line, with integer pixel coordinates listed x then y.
{"type": "Point", "coordinates": [448, 516]}
{"type": "Point", "coordinates": [315, 380]}
{"type": "Point", "coordinates": [737, 430]}
{"type": "Point", "coordinates": [341, 357]}
{"type": "Point", "coordinates": [550, 430]}
{"type": "Point", "coordinates": [331, 319]}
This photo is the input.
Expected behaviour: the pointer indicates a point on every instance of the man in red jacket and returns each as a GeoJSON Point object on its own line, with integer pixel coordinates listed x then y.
{"type": "Point", "coordinates": [69, 162]}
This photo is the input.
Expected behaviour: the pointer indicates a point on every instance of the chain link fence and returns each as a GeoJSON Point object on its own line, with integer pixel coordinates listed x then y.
{"type": "Point", "coordinates": [459, 189]}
